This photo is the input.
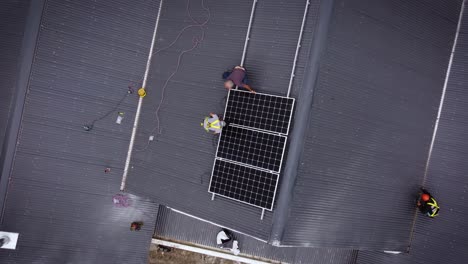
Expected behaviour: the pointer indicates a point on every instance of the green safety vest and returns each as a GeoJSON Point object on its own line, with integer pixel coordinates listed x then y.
{"type": "Point", "coordinates": [214, 125]}
{"type": "Point", "coordinates": [434, 204]}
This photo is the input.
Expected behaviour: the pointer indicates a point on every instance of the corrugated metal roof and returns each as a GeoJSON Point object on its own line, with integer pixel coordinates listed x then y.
{"type": "Point", "coordinates": [59, 198]}
{"type": "Point", "coordinates": [175, 226]}
{"type": "Point", "coordinates": [15, 65]}
{"type": "Point", "coordinates": [13, 15]}
{"type": "Point", "coordinates": [443, 239]}
{"type": "Point", "coordinates": [389, 56]}
{"type": "Point", "coordinates": [371, 125]}
{"type": "Point", "coordinates": [176, 167]}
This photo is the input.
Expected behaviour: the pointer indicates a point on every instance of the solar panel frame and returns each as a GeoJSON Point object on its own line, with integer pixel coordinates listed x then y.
{"type": "Point", "coordinates": [249, 174]}
{"type": "Point", "coordinates": [274, 114]}
{"type": "Point", "coordinates": [218, 159]}
{"type": "Point", "coordinates": [252, 147]}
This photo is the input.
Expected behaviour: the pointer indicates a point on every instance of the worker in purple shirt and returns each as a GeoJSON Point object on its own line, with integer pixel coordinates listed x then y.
{"type": "Point", "coordinates": [236, 77]}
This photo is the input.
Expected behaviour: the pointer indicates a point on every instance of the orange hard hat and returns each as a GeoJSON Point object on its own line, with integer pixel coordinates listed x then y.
{"type": "Point", "coordinates": [425, 197]}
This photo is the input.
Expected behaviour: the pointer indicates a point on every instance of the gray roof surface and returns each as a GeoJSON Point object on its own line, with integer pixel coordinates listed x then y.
{"type": "Point", "coordinates": [59, 199]}
{"type": "Point", "coordinates": [172, 225]}
{"type": "Point", "coordinates": [369, 132]}
{"type": "Point", "coordinates": [443, 240]}
{"type": "Point", "coordinates": [371, 125]}
{"type": "Point", "coordinates": [175, 169]}
{"type": "Point", "coordinates": [12, 20]}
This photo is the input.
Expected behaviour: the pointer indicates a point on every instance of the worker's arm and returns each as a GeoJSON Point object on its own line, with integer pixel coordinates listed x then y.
{"type": "Point", "coordinates": [246, 86]}
{"type": "Point", "coordinates": [425, 208]}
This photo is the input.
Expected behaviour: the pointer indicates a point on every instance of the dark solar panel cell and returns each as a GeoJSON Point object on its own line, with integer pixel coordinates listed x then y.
{"type": "Point", "coordinates": [260, 111]}
{"type": "Point", "coordinates": [244, 184]}
{"type": "Point", "coordinates": [255, 148]}
{"type": "Point", "coordinates": [251, 147]}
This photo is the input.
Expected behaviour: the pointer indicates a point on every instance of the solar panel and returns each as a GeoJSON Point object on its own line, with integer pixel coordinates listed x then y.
{"type": "Point", "coordinates": [259, 111]}
{"type": "Point", "coordinates": [251, 147]}
{"type": "Point", "coordinates": [259, 149]}
{"type": "Point", "coordinates": [245, 184]}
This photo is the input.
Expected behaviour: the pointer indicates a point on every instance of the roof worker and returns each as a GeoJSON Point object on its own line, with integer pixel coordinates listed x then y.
{"type": "Point", "coordinates": [136, 226]}
{"type": "Point", "coordinates": [213, 123]}
{"type": "Point", "coordinates": [427, 204]}
{"type": "Point", "coordinates": [225, 239]}
{"type": "Point", "coordinates": [236, 76]}
{"type": "Point", "coordinates": [4, 240]}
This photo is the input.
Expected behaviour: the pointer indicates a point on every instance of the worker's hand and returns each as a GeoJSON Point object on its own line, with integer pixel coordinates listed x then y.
{"type": "Point", "coordinates": [246, 86]}
{"type": "Point", "coordinates": [253, 92]}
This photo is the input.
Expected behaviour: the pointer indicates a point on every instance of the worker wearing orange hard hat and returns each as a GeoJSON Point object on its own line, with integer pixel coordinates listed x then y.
{"type": "Point", "coordinates": [427, 204]}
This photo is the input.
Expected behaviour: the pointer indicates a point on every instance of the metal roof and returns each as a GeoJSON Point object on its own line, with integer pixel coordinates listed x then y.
{"type": "Point", "coordinates": [443, 239]}
{"type": "Point", "coordinates": [59, 199]}
{"type": "Point", "coordinates": [12, 20]}
{"type": "Point", "coordinates": [369, 131]}
{"type": "Point", "coordinates": [175, 169]}
{"type": "Point", "coordinates": [173, 225]}
{"type": "Point", "coordinates": [370, 125]}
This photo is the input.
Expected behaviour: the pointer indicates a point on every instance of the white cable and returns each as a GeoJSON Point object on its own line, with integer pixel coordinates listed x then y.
{"type": "Point", "coordinates": [140, 102]}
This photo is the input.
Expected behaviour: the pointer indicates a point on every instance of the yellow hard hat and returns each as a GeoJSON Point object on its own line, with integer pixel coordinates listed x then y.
{"type": "Point", "coordinates": [142, 92]}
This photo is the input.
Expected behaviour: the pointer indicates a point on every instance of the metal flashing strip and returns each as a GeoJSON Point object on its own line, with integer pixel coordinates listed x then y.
{"type": "Point", "coordinates": [205, 251]}
{"type": "Point", "coordinates": [442, 98]}
{"type": "Point", "coordinates": [247, 35]}
{"type": "Point", "coordinates": [215, 224]}
{"type": "Point", "coordinates": [140, 103]}
{"type": "Point", "coordinates": [296, 55]}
